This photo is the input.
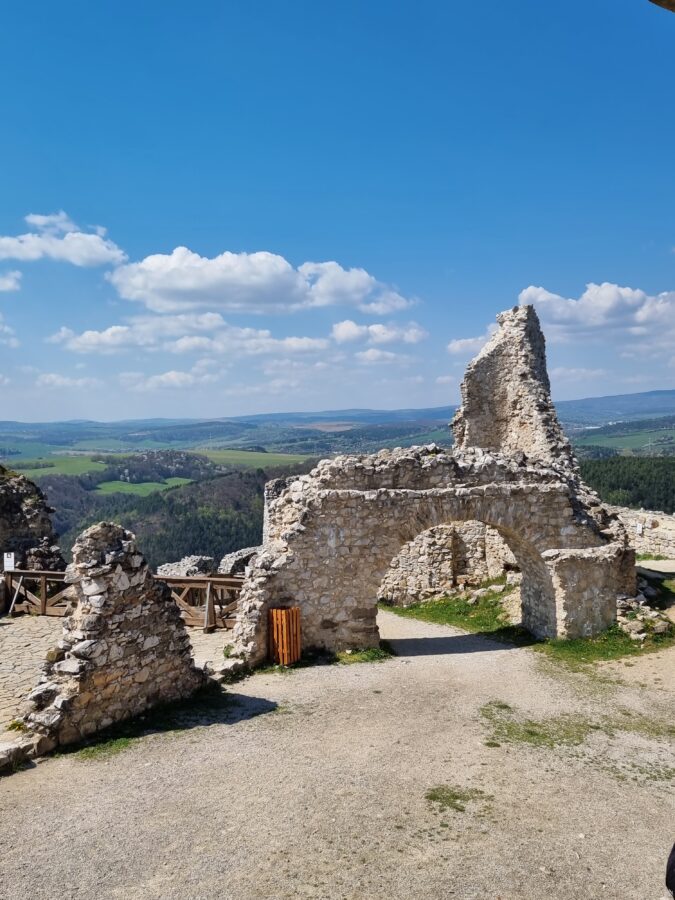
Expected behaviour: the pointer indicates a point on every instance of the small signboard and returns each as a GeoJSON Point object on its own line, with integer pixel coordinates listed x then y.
{"type": "Point", "coordinates": [9, 562]}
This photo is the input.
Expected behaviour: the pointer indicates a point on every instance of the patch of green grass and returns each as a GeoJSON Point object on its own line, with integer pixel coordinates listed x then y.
{"type": "Point", "coordinates": [320, 657]}
{"type": "Point", "coordinates": [210, 704]}
{"type": "Point", "coordinates": [371, 654]}
{"type": "Point", "coordinates": [445, 796]}
{"type": "Point", "coordinates": [611, 644]}
{"type": "Point", "coordinates": [17, 725]}
{"type": "Point", "coordinates": [105, 749]}
{"type": "Point", "coordinates": [57, 465]}
{"type": "Point", "coordinates": [644, 556]}
{"type": "Point", "coordinates": [487, 616]}
{"type": "Point", "coordinates": [508, 727]}
{"type": "Point", "coordinates": [141, 489]}
{"type": "Point", "coordinates": [245, 459]}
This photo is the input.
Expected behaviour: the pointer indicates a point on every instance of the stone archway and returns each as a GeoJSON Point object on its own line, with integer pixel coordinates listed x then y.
{"type": "Point", "coordinates": [332, 534]}
{"type": "Point", "coordinates": [329, 536]}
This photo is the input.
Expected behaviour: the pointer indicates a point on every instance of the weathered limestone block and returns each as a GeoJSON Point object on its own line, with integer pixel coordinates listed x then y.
{"type": "Point", "coordinates": [506, 403]}
{"type": "Point", "coordinates": [124, 647]}
{"type": "Point", "coordinates": [25, 523]}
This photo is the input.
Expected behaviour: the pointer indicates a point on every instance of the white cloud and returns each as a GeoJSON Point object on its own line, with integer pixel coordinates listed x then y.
{"type": "Point", "coordinates": [446, 379]}
{"type": "Point", "coordinates": [4, 381]}
{"type": "Point", "coordinates": [54, 381]}
{"type": "Point", "coordinates": [379, 333]}
{"type": "Point", "coordinates": [249, 282]}
{"type": "Point", "coordinates": [171, 380]}
{"type": "Point", "coordinates": [57, 237]}
{"type": "Point", "coordinates": [628, 319]}
{"type": "Point", "coordinates": [10, 281]}
{"type": "Point", "coordinates": [374, 356]}
{"type": "Point", "coordinates": [7, 336]}
{"type": "Point", "coordinates": [470, 346]}
{"type": "Point", "coordinates": [185, 334]}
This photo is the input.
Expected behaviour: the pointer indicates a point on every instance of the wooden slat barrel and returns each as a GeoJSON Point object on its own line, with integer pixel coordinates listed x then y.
{"type": "Point", "coordinates": [284, 630]}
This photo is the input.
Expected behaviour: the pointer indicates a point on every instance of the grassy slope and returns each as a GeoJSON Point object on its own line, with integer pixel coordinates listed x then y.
{"type": "Point", "coordinates": [141, 489]}
{"type": "Point", "coordinates": [58, 465]}
{"type": "Point", "coordinates": [248, 459]}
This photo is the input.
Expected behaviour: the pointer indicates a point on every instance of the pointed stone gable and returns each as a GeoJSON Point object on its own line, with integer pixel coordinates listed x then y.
{"type": "Point", "coordinates": [124, 648]}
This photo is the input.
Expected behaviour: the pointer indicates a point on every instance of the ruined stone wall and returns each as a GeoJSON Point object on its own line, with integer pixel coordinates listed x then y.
{"type": "Point", "coordinates": [332, 535]}
{"type": "Point", "coordinates": [439, 560]}
{"type": "Point", "coordinates": [124, 646]}
{"type": "Point", "coordinates": [506, 403]}
{"type": "Point", "coordinates": [649, 532]}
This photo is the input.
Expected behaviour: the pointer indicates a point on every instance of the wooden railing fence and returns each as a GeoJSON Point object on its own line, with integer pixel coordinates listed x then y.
{"type": "Point", "coordinates": [207, 601]}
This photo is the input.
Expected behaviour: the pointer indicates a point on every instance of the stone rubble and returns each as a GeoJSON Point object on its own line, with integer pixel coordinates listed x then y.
{"type": "Point", "coordinates": [236, 563]}
{"type": "Point", "coordinates": [188, 567]}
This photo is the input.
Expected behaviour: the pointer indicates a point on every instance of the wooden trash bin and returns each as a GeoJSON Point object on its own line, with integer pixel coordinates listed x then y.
{"type": "Point", "coordinates": [284, 629]}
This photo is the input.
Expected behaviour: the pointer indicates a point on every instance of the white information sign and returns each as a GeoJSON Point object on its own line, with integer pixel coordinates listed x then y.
{"type": "Point", "coordinates": [9, 562]}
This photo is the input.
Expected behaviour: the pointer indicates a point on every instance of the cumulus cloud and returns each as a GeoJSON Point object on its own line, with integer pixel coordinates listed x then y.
{"type": "Point", "coordinates": [205, 333]}
{"type": "Point", "coordinates": [375, 356]}
{"type": "Point", "coordinates": [10, 281]}
{"type": "Point", "coordinates": [605, 310]}
{"type": "Point", "coordinates": [470, 346]}
{"type": "Point", "coordinates": [57, 237]}
{"type": "Point", "coordinates": [172, 380]}
{"type": "Point", "coordinates": [379, 333]}
{"type": "Point", "coordinates": [53, 381]}
{"type": "Point", "coordinates": [249, 282]}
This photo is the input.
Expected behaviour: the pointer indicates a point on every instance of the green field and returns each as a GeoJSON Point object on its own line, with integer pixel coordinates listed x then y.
{"type": "Point", "coordinates": [142, 489]}
{"type": "Point", "coordinates": [57, 465]}
{"type": "Point", "coordinates": [249, 459]}
{"type": "Point", "coordinates": [632, 441]}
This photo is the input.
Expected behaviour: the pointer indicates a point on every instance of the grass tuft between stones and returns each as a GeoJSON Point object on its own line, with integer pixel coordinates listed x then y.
{"type": "Point", "coordinates": [446, 796]}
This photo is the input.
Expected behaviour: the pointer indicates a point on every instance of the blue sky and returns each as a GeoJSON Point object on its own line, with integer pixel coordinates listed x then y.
{"type": "Point", "coordinates": [217, 208]}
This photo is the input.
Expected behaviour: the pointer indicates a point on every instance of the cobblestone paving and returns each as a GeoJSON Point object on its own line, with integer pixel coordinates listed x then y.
{"type": "Point", "coordinates": [25, 640]}
{"type": "Point", "coordinates": [23, 644]}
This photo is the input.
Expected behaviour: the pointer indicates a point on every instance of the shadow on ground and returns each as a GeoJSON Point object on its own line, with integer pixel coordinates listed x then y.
{"type": "Point", "coordinates": [459, 643]}
{"type": "Point", "coordinates": [211, 706]}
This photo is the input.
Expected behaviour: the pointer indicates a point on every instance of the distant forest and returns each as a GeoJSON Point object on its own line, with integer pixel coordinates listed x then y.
{"type": "Point", "coordinates": [210, 517]}
{"type": "Point", "coordinates": [640, 482]}
{"type": "Point", "coordinates": [220, 512]}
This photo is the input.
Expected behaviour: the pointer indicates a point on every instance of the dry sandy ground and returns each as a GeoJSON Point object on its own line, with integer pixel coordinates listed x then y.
{"type": "Point", "coordinates": [314, 785]}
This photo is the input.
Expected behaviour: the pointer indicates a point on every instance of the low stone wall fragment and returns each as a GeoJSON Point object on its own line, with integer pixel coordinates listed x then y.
{"type": "Point", "coordinates": [124, 648]}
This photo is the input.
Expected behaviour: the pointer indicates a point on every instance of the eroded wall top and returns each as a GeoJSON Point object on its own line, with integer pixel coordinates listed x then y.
{"type": "Point", "coordinates": [506, 402]}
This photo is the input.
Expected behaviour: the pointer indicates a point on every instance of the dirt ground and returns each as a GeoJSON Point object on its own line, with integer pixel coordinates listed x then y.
{"type": "Point", "coordinates": [314, 784]}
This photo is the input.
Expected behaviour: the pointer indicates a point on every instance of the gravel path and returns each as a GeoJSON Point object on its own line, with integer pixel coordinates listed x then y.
{"type": "Point", "coordinates": [314, 784]}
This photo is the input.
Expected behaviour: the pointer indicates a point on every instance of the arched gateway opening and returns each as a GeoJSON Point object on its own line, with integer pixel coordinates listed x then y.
{"type": "Point", "coordinates": [331, 536]}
